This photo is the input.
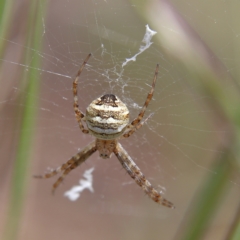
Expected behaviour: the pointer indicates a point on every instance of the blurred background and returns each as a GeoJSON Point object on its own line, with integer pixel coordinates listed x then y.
{"type": "Point", "coordinates": [188, 149]}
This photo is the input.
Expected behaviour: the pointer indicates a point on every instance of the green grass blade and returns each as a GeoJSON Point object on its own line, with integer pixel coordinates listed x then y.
{"type": "Point", "coordinates": [234, 232]}
{"type": "Point", "coordinates": [6, 9]}
{"type": "Point", "coordinates": [207, 201]}
{"type": "Point", "coordinates": [32, 77]}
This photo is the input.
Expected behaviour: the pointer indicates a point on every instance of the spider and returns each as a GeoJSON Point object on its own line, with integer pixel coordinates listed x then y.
{"type": "Point", "coordinates": [107, 119]}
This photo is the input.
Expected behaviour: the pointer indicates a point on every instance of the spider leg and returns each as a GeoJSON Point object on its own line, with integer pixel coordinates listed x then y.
{"type": "Point", "coordinates": [78, 113]}
{"type": "Point", "coordinates": [134, 129]}
{"type": "Point", "coordinates": [136, 121]}
{"type": "Point", "coordinates": [72, 163]}
{"type": "Point", "coordinates": [75, 161]}
{"type": "Point", "coordinates": [55, 171]}
{"type": "Point", "coordinates": [136, 174]}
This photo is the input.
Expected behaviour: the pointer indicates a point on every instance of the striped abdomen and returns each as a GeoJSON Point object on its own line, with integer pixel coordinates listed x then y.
{"type": "Point", "coordinates": [107, 117]}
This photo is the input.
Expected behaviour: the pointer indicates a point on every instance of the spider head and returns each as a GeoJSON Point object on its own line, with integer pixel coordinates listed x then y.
{"type": "Point", "coordinates": [105, 154]}
{"type": "Point", "coordinates": [107, 117]}
{"type": "Point", "coordinates": [105, 147]}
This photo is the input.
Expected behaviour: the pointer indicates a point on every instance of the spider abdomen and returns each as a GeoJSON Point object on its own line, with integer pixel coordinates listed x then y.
{"type": "Point", "coordinates": [107, 117]}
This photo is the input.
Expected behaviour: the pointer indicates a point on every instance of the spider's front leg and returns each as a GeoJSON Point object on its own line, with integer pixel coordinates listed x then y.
{"type": "Point", "coordinates": [70, 164]}
{"type": "Point", "coordinates": [134, 171]}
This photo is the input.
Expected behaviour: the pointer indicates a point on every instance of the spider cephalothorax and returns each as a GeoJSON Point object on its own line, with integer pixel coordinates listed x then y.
{"type": "Point", "coordinates": [107, 119]}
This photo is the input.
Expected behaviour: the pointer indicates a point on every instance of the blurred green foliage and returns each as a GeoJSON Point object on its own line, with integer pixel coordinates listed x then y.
{"type": "Point", "coordinates": [30, 80]}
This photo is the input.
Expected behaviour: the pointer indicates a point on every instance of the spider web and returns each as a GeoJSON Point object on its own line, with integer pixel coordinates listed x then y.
{"type": "Point", "coordinates": [176, 147]}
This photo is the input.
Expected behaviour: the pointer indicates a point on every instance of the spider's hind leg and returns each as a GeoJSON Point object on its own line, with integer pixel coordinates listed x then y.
{"type": "Point", "coordinates": [135, 124]}
{"type": "Point", "coordinates": [134, 129]}
{"type": "Point", "coordinates": [78, 113]}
